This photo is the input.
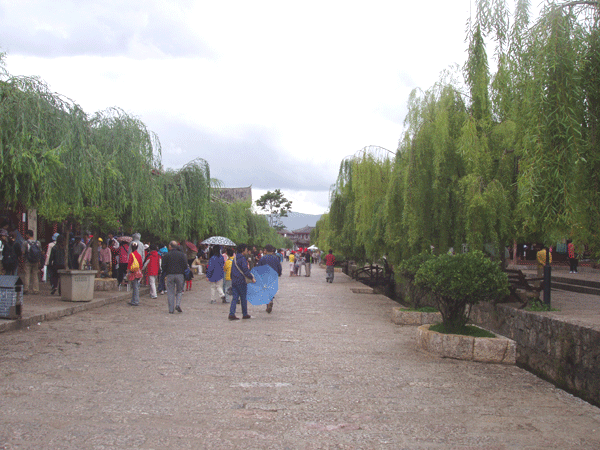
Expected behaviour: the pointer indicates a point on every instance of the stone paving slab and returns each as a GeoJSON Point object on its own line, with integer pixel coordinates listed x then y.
{"type": "Point", "coordinates": [44, 306]}
{"type": "Point", "coordinates": [326, 370]}
{"type": "Point", "coordinates": [574, 307]}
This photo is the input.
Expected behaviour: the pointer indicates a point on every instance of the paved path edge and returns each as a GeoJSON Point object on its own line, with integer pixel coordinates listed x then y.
{"type": "Point", "coordinates": [17, 324]}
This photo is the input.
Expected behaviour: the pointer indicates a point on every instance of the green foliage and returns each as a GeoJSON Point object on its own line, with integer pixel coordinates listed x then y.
{"type": "Point", "coordinates": [514, 158]}
{"type": "Point", "coordinates": [275, 205]}
{"type": "Point", "coordinates": [466, 330]}
{"type": "Point", "coordinates": [424, 309]}
{"type": "Point", "coordinates": [237, 222]}
{"type": "Point", "coordinates": [102, 171]}
{"type": "Point", "coordinates": [409, 267]}
{"type": "Point", "coordinates": [459, 281]}
{"type": "Point", "coordinates": [31, 126]}
{"type": "Point", "coordinates": [538, 306]}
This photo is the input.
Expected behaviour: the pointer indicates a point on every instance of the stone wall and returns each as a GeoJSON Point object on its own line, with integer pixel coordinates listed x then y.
{"type": "Point", "coordinates": [566, 354]}
{"type": "Point", "coordinates": [407, 293]}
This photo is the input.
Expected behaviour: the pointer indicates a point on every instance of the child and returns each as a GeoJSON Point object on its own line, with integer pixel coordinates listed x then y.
{"type": "Point", "coordinates": [188, 276]}
{"type": "Point", "coordinates": [291, 260]}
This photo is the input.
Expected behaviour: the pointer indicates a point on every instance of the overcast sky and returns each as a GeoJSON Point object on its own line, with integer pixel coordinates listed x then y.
{"type": "Point", "coordinates": [272, 94]}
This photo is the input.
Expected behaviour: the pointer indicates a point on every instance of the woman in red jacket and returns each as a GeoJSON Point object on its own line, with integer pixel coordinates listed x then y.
{"type": "Point", "coordinates": [153, 267]}
{"type": "Point", "coordinates": [135, 274]}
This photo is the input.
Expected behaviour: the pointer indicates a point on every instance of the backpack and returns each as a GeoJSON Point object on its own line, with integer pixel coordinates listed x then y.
{"type": "Point", "coordinates": [10, 258]}
{"type": "Point", "coordinates": [188, 275]}
{"type": "Point", "coordinates": [34, 252]}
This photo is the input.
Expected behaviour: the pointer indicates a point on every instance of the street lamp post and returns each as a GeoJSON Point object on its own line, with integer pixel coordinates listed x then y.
{"type": "Point", "coordinates": [547, 278]}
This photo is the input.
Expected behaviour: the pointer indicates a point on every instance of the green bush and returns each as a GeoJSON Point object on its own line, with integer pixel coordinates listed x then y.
{"type": "Point", "coordinates": [461, 280]}
{"type": "Point", "coordinates": [415, 295]}
{"type": "Point", "coordinates": [410, 266]}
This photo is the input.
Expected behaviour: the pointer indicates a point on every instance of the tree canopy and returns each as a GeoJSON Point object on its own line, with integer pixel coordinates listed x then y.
{"type": "Point", "coordinates": [104, 171]}
{"type": "Point", "coordinates": [505, 149]}
{"type": "Point", "coordinates": [276, 206]}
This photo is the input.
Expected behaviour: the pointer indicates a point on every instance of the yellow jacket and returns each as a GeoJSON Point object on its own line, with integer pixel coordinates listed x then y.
{"type": "Point", "coordinates": [541, 257]}
{"type": "Point", "coordinates": [227, 269]}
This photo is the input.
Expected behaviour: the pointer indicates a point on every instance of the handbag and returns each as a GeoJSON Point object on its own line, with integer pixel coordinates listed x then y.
{"type": "Point", "coordinates": [134, 270]}
{"type": "Point", "coordinates": [248, 279]}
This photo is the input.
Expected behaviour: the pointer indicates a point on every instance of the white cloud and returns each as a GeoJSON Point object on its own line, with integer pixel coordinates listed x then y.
{"type": "Point", "coordinates": [270, 93]}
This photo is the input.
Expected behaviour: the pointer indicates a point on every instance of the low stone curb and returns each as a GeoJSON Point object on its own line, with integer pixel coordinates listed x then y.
{"type": "Point", "coordinates": [499, 350]}
{"type": "Point", "coordinates": [362, 290]}
{"type": "Point", "coordinates": [402, 316]}
{"type": "Point", "coordinates": [69, 309]}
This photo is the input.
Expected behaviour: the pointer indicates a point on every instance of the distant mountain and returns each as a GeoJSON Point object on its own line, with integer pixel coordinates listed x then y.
{"type": "Point", "coordinates": [295, 221]}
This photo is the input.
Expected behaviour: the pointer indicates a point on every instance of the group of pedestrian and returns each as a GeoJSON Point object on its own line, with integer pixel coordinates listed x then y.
{"type": "Point", "coordinates": [299, 260]}
{"type": "Point", "coordinates": [228, 273]}
{"type": "Point", "coordinates": [130, 261]}
{"type": "Point", "coordinates": [28, 251]}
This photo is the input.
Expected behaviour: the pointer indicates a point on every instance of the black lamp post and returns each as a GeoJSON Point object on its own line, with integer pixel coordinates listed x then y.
{"type": "Point", "coordinates": [547, 278]}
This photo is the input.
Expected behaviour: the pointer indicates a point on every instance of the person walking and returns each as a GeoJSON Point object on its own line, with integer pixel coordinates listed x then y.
{"type": "Point", "coordinates": [329, 269]}
{"type": "Point", "coordinates": [153, 266]}
{"type": "Point", "coordinates": [113, 245]}
{"type": "Point", "coordinates": [215, 275]}
{"type": "Point", "coordinates": [291, 258]}
{"type": "Point", "coordinates": [272, 260]}
{"type": "Point", "coordinates": [76, 251]}
{"type": "Point", "coordinates": [307, 263]}
{"type": "Point", "coordinates": [239, 272]}
{"type": "Point", "coordinates": [541, 262]}
{"type": "Point", "coordinates": [57, 261]}
{"type": "Point", "coordinates": [105, 258]}
{"type": "Point", "coordinates": [48, 275]}
{"type": "Point", "coordinates": [572, 257]}
{"type": "Point", "coordinates": [32, 250]}
{"type": "Point", "coordinates": [227, 279]}
{"type": "Point", "coordinates": [300, 263]}
{"type": "Point", "coordinates": [123, 258]}
{"type": "Point", "coordinates": [134, 268]}
{"type": "Point", "coordinates": [11, 252]}
{"type": "Point", "coordinates": [174, 264]}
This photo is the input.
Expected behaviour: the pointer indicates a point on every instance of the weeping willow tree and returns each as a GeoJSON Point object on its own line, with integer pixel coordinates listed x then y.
{"type": "Point", "coordinates": [547, 83]}
{"type": "Point", "coordinates": [102, 171]}
{"type": "Point", "coordinates": [186, 205]}
{"type": "Point", "coordinates": [424, 199]}
{"type": "Point", "coordinates": [342, 233]}
{"type": "Point", "coordinates": [321, 234]}
{"type": "Point", "coordinates": [371, 174]}
{"type": "Point", "coordinates": [32, 127]}
{"type": "Point", "coordinates": [355, 225]}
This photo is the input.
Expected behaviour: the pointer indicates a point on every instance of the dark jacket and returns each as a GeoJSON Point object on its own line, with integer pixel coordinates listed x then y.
{"type": "Point", "coordinates": [10, 254]}
{"type": "Point", "coordinates": [57, 258]}
{"type": "Point", "coordinates": [271, 261]}
{"type": "Point", "coordinates": [237, 278]}
{"type": "Point", "coordinates": [174, 262]}
{"type": "Point", "coordinates": [214, 271]}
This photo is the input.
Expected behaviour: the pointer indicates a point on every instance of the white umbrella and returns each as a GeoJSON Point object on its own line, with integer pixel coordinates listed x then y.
{"type": "Point", "coordinates": [219, 240]}
{"type": "Point", "coordinates": [313, 247]}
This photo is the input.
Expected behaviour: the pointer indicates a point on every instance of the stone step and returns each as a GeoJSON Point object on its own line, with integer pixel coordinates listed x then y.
{"type": "Point", "coordinates": [575, 281]}
{"type": "Point", "coordinates": [575, 288]}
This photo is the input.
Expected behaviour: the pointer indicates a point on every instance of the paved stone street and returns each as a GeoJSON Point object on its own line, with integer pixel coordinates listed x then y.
{"type": "Point", "coordinates": [326, 370]}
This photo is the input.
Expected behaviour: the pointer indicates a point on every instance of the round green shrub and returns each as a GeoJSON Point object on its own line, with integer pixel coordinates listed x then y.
{"type": "Point", "coordinates": [461, 280]}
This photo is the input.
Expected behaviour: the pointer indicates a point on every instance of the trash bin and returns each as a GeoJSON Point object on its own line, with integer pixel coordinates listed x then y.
{"type": "Point", "coordinates": [11, 297]}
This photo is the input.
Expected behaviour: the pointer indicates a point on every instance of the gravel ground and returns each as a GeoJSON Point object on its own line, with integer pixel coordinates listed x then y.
{"type": "Point", "coordinates": [326, 370]}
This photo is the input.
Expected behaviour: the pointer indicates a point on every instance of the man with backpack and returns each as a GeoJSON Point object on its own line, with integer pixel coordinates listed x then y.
{"type": "Point", "coordinates": [32, 250]}
{"type": "Point", "coordinates": [11, 252]}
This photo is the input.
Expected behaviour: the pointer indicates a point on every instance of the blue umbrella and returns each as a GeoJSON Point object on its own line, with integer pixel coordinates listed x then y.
{"type": "Point", "coordinates": [265, 288]}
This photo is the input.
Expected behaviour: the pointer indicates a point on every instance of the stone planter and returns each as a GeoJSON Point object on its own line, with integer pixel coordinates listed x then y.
{"type": "Point", "coordinates": [498, 350]}
{"type": "Point", "coordinates": [77, 285]}
{"type": "Point", "coordinates": [402, 316]}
